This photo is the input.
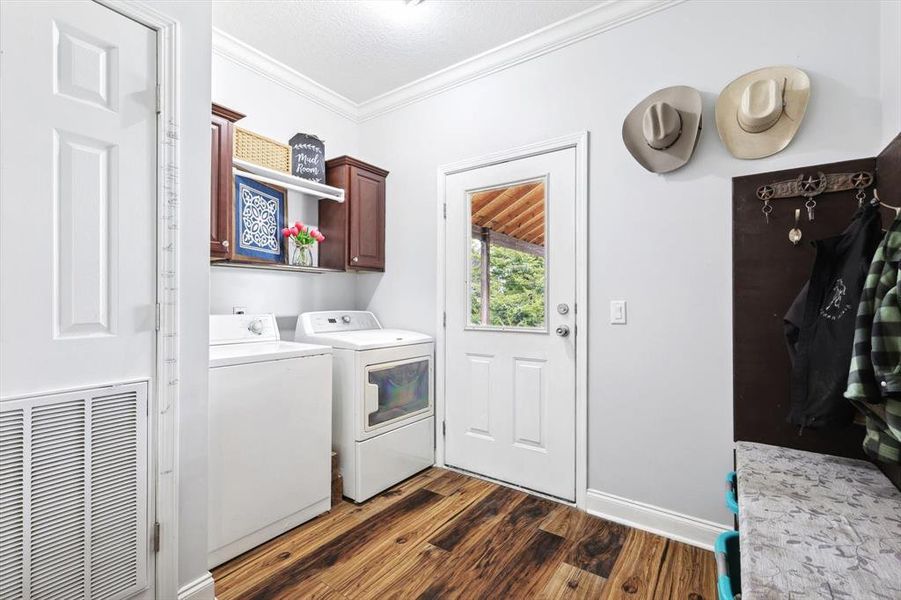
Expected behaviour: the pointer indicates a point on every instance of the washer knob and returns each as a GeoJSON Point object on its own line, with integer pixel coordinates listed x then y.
{"type": "Point", "coordinates": [345, 319]}
{"type": "Point", "coordinates": [256, 327]}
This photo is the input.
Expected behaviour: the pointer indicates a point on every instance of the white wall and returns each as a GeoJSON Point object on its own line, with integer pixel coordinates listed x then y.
{"type": "Point", "coordinates": [660, 388]}
{"type": "Point", "coordinates": [279, 113]}
{"type": "Point", "coordinates": [194, 178]}
{"type": "Point", "coordinates": [890, 65]}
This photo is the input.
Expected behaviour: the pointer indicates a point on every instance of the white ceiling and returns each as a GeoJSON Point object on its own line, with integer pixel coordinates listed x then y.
{"type": "Point", "coordinates": [364, 48]}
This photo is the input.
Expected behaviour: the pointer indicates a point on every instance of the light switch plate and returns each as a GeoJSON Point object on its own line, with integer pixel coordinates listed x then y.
{"type": "Point", "coordinates": [617, 312]}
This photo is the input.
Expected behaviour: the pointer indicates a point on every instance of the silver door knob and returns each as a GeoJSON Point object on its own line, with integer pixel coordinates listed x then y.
{"type": "Point", "coordinates": [355, 259]}
{"type": "Point", "coordinates": [563, 331]}
{"type": "Point", "coordinates": [225, 243]}
{"type": "Point", "coordinates": [255, 327]}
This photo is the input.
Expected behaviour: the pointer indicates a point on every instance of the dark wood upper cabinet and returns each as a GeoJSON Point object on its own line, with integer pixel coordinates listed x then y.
{"type": "Point", "coordinates": [355, 228]}
{"type": "Point", "coordinates": [221, 149]}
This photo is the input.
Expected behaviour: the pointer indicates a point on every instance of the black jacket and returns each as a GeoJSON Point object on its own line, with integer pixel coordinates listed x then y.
{"type": "Point", "coordinates": [819, 326]}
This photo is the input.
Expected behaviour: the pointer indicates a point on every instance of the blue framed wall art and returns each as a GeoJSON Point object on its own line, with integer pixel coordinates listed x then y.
{"type": "Point", "coordinates": [259, 219]}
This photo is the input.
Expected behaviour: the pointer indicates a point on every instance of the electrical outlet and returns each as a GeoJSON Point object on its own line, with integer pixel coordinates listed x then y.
{"type": "Point", "coordinates": [239, 310]}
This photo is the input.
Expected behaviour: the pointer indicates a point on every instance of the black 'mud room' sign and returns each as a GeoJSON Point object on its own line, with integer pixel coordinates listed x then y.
{"type": "Point", "coordinates": [307, 157]}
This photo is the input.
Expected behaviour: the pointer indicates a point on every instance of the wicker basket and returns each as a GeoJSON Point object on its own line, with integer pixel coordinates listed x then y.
{"type": "Point", "coordinates": [262, 151]}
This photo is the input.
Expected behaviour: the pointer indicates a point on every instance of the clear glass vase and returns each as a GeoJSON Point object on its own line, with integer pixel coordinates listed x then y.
{"type": "Point", "coordinates": [301, 255]}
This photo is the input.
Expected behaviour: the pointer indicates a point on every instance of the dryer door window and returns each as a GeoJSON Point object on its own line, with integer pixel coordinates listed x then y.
{"type": "Point", "coordinates": [397, 390]}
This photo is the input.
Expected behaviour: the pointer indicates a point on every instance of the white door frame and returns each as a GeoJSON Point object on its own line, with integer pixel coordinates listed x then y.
{"type": "Point", "coordinates": [164, 424]}
{"type": "Point", "coordinates": [579, 142]}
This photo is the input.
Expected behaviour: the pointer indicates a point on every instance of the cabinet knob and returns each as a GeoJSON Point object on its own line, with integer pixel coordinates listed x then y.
{"type": "Point", "coordinates": [355, 259]}
{"type": "Point", "coordinates": [225, 243]}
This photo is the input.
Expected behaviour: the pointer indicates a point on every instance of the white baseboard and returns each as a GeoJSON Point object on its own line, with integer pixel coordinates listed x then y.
{"type": "Point", "coordinates": [201, 588]}
{"type": "Point", "coordinates": [673, 525]}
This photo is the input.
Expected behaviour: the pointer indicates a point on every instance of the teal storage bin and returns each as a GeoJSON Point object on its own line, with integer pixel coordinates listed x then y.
{"type": "Point", "coordinates": [728, 566]}
{"type": "Point", "coordinates": [732, 492]}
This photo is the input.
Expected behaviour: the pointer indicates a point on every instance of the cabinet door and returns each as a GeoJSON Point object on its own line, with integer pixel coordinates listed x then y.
{"type": "Point", "coordinates": [220, 186]}
{"type": "Point", "coordinates": [367, 220]}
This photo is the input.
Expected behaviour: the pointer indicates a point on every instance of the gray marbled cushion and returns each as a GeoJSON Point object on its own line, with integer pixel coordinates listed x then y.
{"type": "Point", "coordinates": [816, 526]}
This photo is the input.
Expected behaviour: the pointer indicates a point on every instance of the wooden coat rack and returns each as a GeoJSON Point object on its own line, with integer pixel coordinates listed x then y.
{"type": "Point", "coordinates": [769, 271]}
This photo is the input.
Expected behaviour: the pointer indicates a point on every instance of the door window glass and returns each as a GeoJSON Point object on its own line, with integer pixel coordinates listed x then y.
{"type": "Point", "coordinates": [403, 389]}
{"type": "Point", "coordinates": [507, 276]}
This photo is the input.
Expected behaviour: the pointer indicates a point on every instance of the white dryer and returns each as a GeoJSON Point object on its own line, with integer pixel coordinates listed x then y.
{"type": "Point", "coordinates": [383, 424]}
{"type": "Point", "coordinates": [269, 433]}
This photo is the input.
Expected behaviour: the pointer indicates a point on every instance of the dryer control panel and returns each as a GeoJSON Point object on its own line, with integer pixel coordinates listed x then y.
{"type": "Point", "coordinates": [313, 323]}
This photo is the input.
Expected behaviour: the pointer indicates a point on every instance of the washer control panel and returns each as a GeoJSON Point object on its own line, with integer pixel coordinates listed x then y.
{"type": "Point", "coordinates": [237, 329]}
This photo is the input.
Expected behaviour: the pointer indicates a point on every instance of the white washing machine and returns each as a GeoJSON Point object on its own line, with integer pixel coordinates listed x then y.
{"type": "Point", "coordinates": [270, 413]}
{"type": "Point", "coordinates": [383, 426]}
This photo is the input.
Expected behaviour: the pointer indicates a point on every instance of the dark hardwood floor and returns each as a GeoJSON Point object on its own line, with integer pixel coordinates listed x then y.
{"type": "Point", "coordinates": [445, 535]}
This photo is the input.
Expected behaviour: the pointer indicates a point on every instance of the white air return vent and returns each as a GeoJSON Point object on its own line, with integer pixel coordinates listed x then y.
{"type": "Point", "coordinates": [73, 494]}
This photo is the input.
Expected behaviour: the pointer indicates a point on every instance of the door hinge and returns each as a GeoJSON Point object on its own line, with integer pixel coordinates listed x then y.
{"type": "Point", "coordinates": [156, 536]}
{"type": "Point", "coordinates": [444, 428]}
{"type": "Point", "coordinates": [444, 319]}
{"type": "Point", "coordinates": [445, 211]}
{"type": "Point", "coordinates": [159, 99]}
{"type": "Point", "coordinates": [158, 317]}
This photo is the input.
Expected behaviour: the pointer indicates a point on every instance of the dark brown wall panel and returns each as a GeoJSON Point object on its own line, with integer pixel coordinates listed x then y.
{"type": "Point", "coordinates": [768, 272]}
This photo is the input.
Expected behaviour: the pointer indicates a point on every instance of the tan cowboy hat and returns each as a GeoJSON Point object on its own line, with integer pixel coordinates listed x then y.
{"type": "Point", "coordinates": [759, 113]}
{"type": "Point", "coordinates": [662, 131]}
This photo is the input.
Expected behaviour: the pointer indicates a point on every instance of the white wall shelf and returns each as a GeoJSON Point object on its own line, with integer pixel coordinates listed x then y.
{"type": "Point", "coordinates": [272, 177]}
{"type": "Point", "coordinates": [273, 267]}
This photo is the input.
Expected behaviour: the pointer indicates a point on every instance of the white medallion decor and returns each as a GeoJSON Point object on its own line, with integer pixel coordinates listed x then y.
{"type": "Point", "coordinates": [258, 214]}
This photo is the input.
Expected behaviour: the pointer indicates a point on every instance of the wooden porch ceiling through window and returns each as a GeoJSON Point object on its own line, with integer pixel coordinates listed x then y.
{"type": "Point", "coordinates": [516, 211]}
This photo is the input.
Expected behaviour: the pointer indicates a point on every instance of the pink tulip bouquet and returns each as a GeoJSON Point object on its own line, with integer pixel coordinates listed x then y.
{"type": "Point", "coordinates": [303, 237]}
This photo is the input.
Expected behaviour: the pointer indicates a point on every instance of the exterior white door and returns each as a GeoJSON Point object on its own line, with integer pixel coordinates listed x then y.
{"type": "Point", "coordinates": [510, 268]}
{"type": "Point", "coordinates": [78, 225]}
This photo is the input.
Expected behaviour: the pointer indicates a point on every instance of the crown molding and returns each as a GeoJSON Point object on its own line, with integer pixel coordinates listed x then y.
{"type": "Point", "coordinates": [242, 54]}
{"type": "Point", "coordinates": [595, 20]}
{"type": "Point", "coordinates": [578, 27]}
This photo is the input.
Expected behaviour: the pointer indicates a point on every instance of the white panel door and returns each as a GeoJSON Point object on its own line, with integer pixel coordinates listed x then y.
{"type": "Point", "coordinates": [78, 223]}
{"type": "Point", "coordinates": [510, 339]}
{"type": "Point", "coordinates": [78, 189]}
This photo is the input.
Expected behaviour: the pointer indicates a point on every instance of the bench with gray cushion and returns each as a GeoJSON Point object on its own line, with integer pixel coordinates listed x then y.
{"type": "Point", "coordinates": [816, 526]}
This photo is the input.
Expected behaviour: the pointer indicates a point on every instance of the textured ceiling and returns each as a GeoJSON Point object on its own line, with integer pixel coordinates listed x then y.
{"type": "Point", "coordinates": [364, 48]}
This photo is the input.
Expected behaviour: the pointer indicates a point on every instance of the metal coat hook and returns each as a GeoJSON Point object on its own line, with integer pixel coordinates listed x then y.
{"type": "Point", "coordinates": [876, 200]}
{"type": "Point", "coordinates": [794, 234]}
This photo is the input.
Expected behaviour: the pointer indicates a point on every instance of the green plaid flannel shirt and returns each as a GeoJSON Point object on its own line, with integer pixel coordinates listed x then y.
{"type": "Point", "coordinates": [875, 374]}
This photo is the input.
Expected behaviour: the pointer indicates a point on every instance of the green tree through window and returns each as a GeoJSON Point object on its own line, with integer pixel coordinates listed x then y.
{"type": "Point", "coordinates": [517, 287]}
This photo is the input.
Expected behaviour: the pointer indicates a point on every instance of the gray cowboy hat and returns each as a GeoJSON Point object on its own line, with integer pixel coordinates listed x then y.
{"type": "Point", "coordinates": [661, 132]}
